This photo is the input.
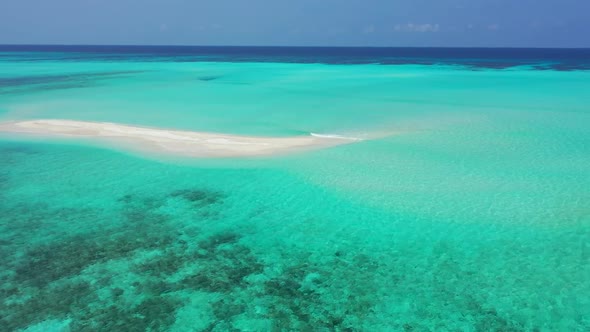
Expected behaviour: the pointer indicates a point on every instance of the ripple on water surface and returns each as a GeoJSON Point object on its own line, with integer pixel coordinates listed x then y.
{"type": "Point", "coordinates": [127, 244]}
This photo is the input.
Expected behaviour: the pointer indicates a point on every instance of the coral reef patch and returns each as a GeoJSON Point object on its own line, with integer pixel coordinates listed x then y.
{"type": "Point", "coordinates": [136, 275]}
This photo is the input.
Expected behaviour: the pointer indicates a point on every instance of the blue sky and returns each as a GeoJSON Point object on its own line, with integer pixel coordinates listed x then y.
{"type": "Point", "coordinates": [512, 23]}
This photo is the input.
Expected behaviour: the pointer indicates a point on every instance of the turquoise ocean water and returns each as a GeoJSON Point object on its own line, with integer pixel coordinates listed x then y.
{"type": "Point", "coordinates": [474, 216]}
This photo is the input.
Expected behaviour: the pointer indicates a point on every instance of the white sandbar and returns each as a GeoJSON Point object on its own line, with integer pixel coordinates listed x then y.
{"type": "Point", "coordinates": [176, 142]}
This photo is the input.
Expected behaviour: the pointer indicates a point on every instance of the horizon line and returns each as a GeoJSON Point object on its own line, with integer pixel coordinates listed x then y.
{"type": "Point", "coordinates": [306, 46]}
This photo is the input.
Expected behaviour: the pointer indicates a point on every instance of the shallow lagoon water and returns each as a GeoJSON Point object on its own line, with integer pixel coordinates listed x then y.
{"type": "Point", "coordinates": [474, 218]}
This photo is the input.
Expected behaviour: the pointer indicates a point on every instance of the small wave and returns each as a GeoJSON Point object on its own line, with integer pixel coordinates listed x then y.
{"type": "Point", "coordinates": [336, 136]}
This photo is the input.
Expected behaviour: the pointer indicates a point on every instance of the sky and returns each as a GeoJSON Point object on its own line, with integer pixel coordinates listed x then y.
{"type": "Point", "coordinates": [437, 23]}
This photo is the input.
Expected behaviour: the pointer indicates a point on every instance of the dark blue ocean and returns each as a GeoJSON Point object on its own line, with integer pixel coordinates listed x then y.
{"type": "Point", "coordinates": [539, 58]}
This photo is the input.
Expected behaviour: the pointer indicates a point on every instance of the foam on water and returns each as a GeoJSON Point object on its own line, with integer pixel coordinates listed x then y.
{"type": "Point", "coordinates": [336, 136]}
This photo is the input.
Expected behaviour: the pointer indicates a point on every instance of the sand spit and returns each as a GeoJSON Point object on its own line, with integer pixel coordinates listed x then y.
{"type": "Point", "coordinates": [174, 142]}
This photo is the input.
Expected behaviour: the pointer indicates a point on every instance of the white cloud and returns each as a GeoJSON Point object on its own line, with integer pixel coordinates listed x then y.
{"type": "Point", "coordinates": [494, 27]}
{"type": "Point", "coordinates": [412, 27]}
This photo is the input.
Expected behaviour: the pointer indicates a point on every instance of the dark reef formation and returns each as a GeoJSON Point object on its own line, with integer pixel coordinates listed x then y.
{"type": "Point", "coordinates": [50, 280]}
{"type": "Point", "coordinates": [208, 78]}
{"type": "Point", "coordinates": [140, 268]}
{"type": "Point", "coordinates": [39, 83]}
{"type": "Point", "coordinates": [308, 292]}
{"type": "Point", "coordinates": [199, 198]}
